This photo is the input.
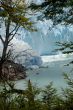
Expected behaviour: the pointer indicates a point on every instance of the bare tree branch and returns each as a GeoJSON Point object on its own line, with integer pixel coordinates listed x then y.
{"type": "Point", "coordinates": [13, 29]}
{"type": "Point", "coordinates": [14, 34]}
{"type": "Point", "coordinates": [1, 39]}
{"type": "Point", "coordinates": [10, 45]}
{"type": "Point", "coordinates": [20, 54]}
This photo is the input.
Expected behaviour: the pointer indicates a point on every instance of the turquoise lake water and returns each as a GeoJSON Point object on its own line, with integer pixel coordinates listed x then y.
{"type": "Point", "coordinates": [42, 76]}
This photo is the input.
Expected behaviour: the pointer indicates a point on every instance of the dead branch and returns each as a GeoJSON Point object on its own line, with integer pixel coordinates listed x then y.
{"type": "Point", "coordinates": [1, 39]}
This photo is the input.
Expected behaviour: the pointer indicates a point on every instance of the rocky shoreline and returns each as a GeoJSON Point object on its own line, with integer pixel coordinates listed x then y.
{"type": "Point", "coordinates": [13, 71]}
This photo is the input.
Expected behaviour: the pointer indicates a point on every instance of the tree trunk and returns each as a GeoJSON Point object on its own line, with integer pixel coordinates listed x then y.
{"type": "Point", "coordinates": [0, 71]}
{"type": "Point", "coordinates": [5, 47]}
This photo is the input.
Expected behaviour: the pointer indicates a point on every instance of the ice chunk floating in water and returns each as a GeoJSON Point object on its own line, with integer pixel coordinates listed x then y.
{"type": "Point", "coordinates": [59, 57]}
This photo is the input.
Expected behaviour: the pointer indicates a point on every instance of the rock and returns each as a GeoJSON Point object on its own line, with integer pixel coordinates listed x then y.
{"type": "Point", "coordinates": [13, 71]}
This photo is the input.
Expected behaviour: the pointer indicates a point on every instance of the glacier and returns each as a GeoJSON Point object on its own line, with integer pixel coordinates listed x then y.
{"type": "Point", "coordinates": [43, 41]}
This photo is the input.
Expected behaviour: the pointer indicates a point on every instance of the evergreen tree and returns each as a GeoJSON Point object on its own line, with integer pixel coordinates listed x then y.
{"type": "Point", "coordinates": [49, 96]}
{"type": "Point", "coordinates": [57, 10]}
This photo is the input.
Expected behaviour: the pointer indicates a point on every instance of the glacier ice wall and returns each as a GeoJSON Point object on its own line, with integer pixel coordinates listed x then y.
{"type": "Point", "coordinates": [44, 40]}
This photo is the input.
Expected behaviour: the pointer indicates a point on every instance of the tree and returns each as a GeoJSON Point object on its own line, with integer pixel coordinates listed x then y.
{"type": "Point", "coordinates": [68, 93]}
{"type": "Point", "coordinates": [31, 93]}
{"type": "Point", "coordinates": [56, 10]}
{"type": "Point", "coordinates": [12, 15]}
{"type": "Point", "coordinates": [49, 96]}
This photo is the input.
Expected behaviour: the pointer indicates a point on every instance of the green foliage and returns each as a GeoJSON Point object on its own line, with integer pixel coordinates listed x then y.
{"type": "Point", "coordinates": [30, 98]}
{"type": "Point", "coordinates": [49, 96]}
{"type": "Point", "coordinates": [16, 12]}
{"type": "Point", "coordinates": [65, 48]}
{"type": "Point", "coordinates": [69, 80]}
{"type": "Point", "coordinates": [68, 93]}
{"type": "Point", "coordinates": [54, 9]}
{"type": "Point", "coordinates": [49, 93]}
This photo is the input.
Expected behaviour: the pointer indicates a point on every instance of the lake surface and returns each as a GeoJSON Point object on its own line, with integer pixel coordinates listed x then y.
{"type": "Point", "coordinates": [42, 76]}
